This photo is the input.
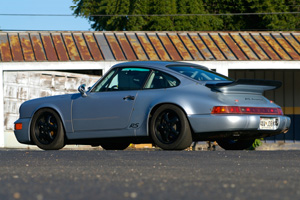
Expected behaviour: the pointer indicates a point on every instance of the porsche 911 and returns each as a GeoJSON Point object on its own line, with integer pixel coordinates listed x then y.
{"type": "Point", "coordinates": [168, 104]}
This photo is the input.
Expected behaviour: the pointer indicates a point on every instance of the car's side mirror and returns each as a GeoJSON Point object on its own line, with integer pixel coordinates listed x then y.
{"type": "Point", "coordinates": [82, 90]}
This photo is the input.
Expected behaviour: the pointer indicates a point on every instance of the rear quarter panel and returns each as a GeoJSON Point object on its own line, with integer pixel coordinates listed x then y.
{"type": "Point", "coordinates": [192, 97]}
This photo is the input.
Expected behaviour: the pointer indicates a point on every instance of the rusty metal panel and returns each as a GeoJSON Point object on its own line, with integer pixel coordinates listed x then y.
{"type": "Point", "coordinates": [107, 53]}
{"type": "Point", "coordinates": [82, 46]}
{"type": "Point", "coordinates": [190, 46]}
{"type": "Point", "coordinates": [169, 46]}
{"type": "Point", "coordinates": [180, 46]}
{"type": "Point", "coordinates": [5, 52]}
{"type": "Point", "coordinates": [15, 47]}
{"type": "Point", "coordinates": [201, 46]}
{"type": "Point", "coordinates": [163, 55]}
{"type": "Point", "coordinates": [290, 45]}
{"type": "Point", "coordinates": [291, 38]}
{"type": "Point", "coordinates": [26, 47]}
{"type": "Point", "coordinates": [126, 46]}
{"type": "Point", "coordinates": [92, 44]}
{"type": "Point", "coordinates": [42, 46]}
{"type": "Point", "coordinates": [60, 47]}
{"type": "Point", "coordinates": [244, 46]}
{"type": "Point", "coordinates": [222, 46]}
{"type": "Point", "coordinates": [71, 47]}
{"type": "Point", "coordinates": [297, 37]}
{"type": "Point", "coordinates": [38, 47]}
{"type": "Point", "coordinates": [264, 45]}
{"type": "Point", "coordinates": [255, 46]}
{"type": "Point", "coordinates": [136, 46]}
{"type": "Point", "coordinates": [147, 46]}
{"type": "Point", "coordinates": [276, 46]}
{"type": "Point", "coordinates": [49, 48]}
{"type": "Point", "coordinates": [233, 46]}
{"type": "Point", "coordinates": [212, 46]}
{"type": "Point", "coordinates": [115, 47]}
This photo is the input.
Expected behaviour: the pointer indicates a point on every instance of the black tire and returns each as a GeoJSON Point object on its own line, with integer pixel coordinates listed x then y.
{"type": "Point", "coordinates": [115, 146]}
{"type": "Point", "coordinates": [229, 144]}
{"type": "Point", "coordinates": [170, 129]}
{"type": "Point", "coordinates": [46, 130]}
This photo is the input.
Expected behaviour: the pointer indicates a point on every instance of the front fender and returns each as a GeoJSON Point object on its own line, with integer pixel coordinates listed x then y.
{"type": "Point", "coordinates": [60, 104]}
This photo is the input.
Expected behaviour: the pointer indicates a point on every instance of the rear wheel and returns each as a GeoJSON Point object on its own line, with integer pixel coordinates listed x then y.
{"type": "Point", "coordinates": [229, 144]}
{"type": "Point", "coordinates": [170, 129]}
{"type": "Point", "coordinates": [115, 146]}
{"type": "Point", "coordinates": [46, 130]}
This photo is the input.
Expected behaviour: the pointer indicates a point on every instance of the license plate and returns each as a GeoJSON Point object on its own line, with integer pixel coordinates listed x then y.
{"type": "Point", "coordinates": [268, 123]}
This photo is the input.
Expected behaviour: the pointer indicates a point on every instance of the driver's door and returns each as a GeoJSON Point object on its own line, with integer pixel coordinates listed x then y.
{"type": "Point", "coordinates": [110, 103]}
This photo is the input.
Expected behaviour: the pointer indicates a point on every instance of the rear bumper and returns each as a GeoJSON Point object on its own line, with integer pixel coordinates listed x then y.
{"type": "Point", "coordinates": [221, 126]}
{"type": "Point", "coordinates": [23, 136]}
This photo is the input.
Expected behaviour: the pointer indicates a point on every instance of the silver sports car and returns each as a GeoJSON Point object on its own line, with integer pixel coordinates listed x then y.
{"type": "Point", "coordinates": [169, 104]}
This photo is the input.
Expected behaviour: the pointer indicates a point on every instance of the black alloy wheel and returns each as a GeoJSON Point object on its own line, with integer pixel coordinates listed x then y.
{"type": "Point", "coordinates": [169, 128]}
{"type": "Point", "coordinates": [46, 130]}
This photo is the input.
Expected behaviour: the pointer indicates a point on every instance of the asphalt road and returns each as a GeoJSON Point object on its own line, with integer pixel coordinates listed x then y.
{"type": "Point", "coordinates": [69, 174]}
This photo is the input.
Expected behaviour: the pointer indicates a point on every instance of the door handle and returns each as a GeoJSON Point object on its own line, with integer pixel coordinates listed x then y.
{"type": "Point", "coordinates": [129, 97]}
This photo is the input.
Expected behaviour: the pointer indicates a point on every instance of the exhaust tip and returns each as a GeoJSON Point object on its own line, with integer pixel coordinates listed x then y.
{"type": "Point", "coordinates": [285, 131]}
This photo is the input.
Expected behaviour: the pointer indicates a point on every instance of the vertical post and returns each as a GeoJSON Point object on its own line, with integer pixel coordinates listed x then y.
{"type": "Point", "coordinates": [1, 109]}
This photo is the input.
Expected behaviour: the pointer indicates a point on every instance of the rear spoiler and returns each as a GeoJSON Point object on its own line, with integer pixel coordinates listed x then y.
{"type": "Point", "coordinates": [245, 86]}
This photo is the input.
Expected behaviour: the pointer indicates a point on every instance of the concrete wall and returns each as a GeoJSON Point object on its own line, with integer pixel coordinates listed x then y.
{"type": "Point", "coordinates": [20, 86]}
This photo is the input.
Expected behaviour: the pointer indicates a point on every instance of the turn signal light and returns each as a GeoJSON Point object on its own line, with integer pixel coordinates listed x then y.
{"type": "Point", "coordinates": [18, 126]}
{"type": "Point", "coordinates": [246, 110]}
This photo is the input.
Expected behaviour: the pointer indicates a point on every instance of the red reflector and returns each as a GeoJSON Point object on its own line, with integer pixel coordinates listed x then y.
{"type": "Point", "coordinates": [18, 126]}
{"type": "Point", "coordinates": [246, 110]}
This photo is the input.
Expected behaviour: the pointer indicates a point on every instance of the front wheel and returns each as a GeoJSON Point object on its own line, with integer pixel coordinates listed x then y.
{"type": "Point", "coordinates": [170, 129]}
{"type": "Point", "coordinates": [46, 130]}
{"type": "Point", "coordinates": [229, 144]}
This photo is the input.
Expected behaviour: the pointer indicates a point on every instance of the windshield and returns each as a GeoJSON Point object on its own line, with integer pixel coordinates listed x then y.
{"type": "Point", "coordinates": [199, 74]}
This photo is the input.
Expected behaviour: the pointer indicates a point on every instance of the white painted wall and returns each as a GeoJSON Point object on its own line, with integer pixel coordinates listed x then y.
{"type": "Point", "coordinates": [1, 110]}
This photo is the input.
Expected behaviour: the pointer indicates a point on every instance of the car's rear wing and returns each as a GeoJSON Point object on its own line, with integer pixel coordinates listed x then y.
{"type": "Point", "coordinates": [244, 86]}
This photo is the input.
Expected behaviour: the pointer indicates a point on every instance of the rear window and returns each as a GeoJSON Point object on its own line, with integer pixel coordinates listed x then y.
{"type": "Point", "coordinates": [199, 74]}
{"type": "Point", "coordinates": [160, 79]}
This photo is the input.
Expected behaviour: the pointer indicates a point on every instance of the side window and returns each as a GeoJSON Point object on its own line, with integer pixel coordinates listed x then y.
{"type": "Point", "coordinates": [159, 80]}
{"type": "Point", "coordinates": [102, 85]}
{"type": "Point", "coordinates": [126, 79]}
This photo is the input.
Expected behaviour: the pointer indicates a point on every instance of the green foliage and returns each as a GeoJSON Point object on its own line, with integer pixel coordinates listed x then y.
{"type": "Point", "coordinates": [142, 9]}
{"type": "Point", "coordinates": [256, 143]}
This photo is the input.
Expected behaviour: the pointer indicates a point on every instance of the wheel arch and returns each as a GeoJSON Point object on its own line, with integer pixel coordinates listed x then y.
{"type": "Point", "coordinates": [56, 111]}
{"type": "Point", "coordinates": [155, 107]}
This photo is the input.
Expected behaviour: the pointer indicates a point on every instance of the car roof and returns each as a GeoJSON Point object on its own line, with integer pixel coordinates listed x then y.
{"type": "Point", "coordinates": [155, 64]}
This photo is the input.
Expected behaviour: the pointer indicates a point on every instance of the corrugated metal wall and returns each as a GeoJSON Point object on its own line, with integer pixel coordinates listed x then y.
{"type": "Point", "coordinates": [121, 46]}
{"type": "Point", "coordinates": [288, 96]}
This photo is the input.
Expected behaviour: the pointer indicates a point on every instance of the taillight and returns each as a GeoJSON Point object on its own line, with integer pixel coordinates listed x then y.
{"type": "Point", "coordinates": [246, 110]}
{"type": "Point", "coordinates": [18, 126]}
